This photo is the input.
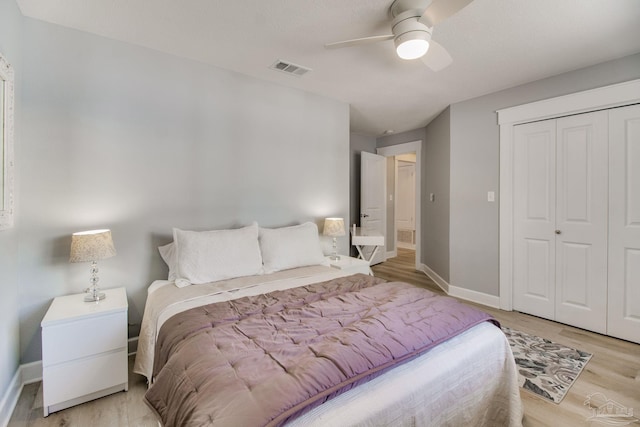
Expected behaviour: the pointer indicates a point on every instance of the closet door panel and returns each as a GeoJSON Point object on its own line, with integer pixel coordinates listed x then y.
{"type": "Point", "coordinates": [534, 219]}
{"type": "Point", "coordinates": [581, 220]}
{"type": "Point", "coordinates": [624, 224]}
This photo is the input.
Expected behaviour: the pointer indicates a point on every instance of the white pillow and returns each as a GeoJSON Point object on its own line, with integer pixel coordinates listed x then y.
{"type": "Point", "coordinates": [168, 254]}
{"type": "Point", "coordinates": [290, 247]}
{"type": "Point", "coordinates": [209, 256]}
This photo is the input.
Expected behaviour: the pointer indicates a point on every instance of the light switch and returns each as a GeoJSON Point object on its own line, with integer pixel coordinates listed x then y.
{"type": "Point", "coordinates": [491, 196]}
{"type": "Point", "coordinates": [432, 197]}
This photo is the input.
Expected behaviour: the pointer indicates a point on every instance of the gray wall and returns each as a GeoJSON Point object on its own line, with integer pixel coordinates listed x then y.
{"type": "Point", "coordinates": [138, 141]}
{"type": "Point", "coordinates": [474, 257]}
{"type": "Point", "coordinates": [11, 49]}
{"type": "Point", "coordinates": [436, 180]}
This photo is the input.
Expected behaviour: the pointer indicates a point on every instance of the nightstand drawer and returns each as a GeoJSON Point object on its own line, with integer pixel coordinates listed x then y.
{"type": "Point", "coordinates": [73, 340]}
{"type": "Point", "coordinates": [69, 380]}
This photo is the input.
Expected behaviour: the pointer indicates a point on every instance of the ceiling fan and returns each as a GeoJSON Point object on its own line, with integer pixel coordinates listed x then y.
{"type": "Point", "coordinates": [411, 27]}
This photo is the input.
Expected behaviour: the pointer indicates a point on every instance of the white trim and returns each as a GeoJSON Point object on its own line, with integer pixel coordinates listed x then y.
{"type": "Point", "coordinates": [442, 284]}
{"type": "Point", "coordinates": [31, 372]}
{"type": "Point", "coordinates": [462, 293]}
{"type": "Point", "coordinates": [404, 245]}
{"type": "Point", "coordinates": [25, 374]}
{"type": "Point", "coordinates": [395, 202]}
{"type": "Point", "coordinates": [7, 163]}
{"type": "Point", "coordinates": [10, 399]}
{"type": "Point", "coordinates": [581, 102]}
{"type": "Point", "coordinates": [411, 147]}
{"type": "Point", "coordinates": [506, 218]}
{"type": "Point", "coordinates": [474, 296]}
{"type": "Point", "coordinates": [392, 254]}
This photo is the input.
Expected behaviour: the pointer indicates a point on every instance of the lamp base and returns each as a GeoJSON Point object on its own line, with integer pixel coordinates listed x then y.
{"type": "Point", "coordinates": [334, 257]}
{"type": "Point", "coordinates": [91, 297]}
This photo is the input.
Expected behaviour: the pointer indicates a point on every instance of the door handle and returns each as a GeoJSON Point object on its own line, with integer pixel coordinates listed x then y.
{"type": "Point", "coordinates": [558, 232]}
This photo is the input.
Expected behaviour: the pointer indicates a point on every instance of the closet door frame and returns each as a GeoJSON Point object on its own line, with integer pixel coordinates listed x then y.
{"type": "Point", "coordinates": [617, 95]}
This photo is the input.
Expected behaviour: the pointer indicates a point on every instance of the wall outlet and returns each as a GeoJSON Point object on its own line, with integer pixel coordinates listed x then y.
{"type": "Point", "coordinates": [432, 197]}
{"type": "Point", "coordinates": [491, 196]}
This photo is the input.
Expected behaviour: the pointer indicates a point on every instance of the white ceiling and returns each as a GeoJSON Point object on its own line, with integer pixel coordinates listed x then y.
{"type": "Point", "coordinates": [495, 44]}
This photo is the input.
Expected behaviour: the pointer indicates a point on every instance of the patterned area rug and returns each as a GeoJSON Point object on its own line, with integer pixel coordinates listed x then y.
{"type": "Point", "coordinates": [544, 367]}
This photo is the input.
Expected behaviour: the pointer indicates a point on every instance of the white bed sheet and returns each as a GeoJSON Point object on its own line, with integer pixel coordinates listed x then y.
{"type": "Point", "coordinates": [470, 379]}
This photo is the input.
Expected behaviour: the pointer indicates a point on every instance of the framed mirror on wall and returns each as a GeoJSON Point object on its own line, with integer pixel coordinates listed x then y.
{"type": "Point", "coordinates": [6, 143]}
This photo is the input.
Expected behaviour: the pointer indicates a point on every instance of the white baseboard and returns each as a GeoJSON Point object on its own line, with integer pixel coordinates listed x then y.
{"type": "Point", "coordinates": [392, 254]}
{"type": "Point", "coordinates": [25, 374]}
{"type": "Point", "coordinates": [31, 372]}
{"type": "Point", "coordinates": [404, 245]}
{"type": "Point", "coordinates": [442, 284]}
{"type": "Point", "coordinates": [462, 293]}
{"type": "Point", "coordinates": [474, 296]}
{"type": "Point", "coordinates": [10, 399]}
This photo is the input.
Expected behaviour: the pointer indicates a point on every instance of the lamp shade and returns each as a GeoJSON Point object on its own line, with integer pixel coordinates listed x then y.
{"type": "Point", "coordinates": [333, 227]}
{"type": "Point", "coordinates": [88, 246]}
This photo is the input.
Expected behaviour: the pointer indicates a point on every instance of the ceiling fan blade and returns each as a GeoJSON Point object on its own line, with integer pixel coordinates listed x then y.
{"type": "Point", "coordinates": [358, 42]}
{"type": "Point", "coordinates": [437, 57]}
{"type": "Point", "coordinates": [439, 10]}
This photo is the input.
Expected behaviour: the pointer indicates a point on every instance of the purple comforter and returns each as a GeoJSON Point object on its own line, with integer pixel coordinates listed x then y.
{"type": "Point", "coordinates": [262, 360]}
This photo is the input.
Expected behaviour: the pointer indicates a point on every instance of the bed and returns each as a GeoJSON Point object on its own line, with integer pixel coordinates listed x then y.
{"type": "Point", "coordinates": [199, 336]}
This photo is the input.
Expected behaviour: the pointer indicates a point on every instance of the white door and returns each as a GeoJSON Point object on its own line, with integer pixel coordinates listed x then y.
{"type": "Point", "coordinates": [581, 220]}
{"type": "Point", "coordinates": [560, 220]}
{"type": "Point", "coordinates": [406, 204]}
{"type": "Point", "coordinates": [624, 223]}
{"type": "Point", "coordinates": [372, 199]}
{"type": "Point", "coordinates": [405, 199]}
{"type": "Point", "coordinates": [534, 218]}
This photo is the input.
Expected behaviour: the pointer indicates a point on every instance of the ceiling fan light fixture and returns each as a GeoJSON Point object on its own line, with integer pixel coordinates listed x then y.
{"type": "Point", "coordinates": [412, 46]}
{"type": "Point", "coordinates": [411, 37]}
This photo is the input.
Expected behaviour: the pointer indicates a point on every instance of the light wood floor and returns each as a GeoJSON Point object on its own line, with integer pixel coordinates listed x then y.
{"type": "Point", "coordinates": [613, 370]}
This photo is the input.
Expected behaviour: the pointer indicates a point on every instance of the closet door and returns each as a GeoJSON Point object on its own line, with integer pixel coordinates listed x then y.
{"type": "Point", "coordinates": [534, 218]}
{"type": "Point", "coordinates": [560, 220]}
{"type": "Point", "coordinates": [581, 220]}
{"type": "Point", "coordinates": [624, 223]}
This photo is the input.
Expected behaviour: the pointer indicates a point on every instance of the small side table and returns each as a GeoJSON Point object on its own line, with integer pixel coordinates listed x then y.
{"type": "Point", "coordinates": [363, 238]}
{"type": "Point", "coordinates": [351, 265]}
{"type": "Point", "coordinates": [84, 349]}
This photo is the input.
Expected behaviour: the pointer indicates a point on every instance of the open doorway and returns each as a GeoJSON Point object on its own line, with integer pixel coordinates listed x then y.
{"type": "Point", "coordinates": [405, 201]}
{"type": "Point", "coordinates": [398, 154]}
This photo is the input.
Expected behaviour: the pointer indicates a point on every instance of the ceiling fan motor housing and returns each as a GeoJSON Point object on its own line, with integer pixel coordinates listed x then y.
{"type": "Point", "coordinates": [409, 25]}
{"type": "Point", "coordinates": [411, 30]}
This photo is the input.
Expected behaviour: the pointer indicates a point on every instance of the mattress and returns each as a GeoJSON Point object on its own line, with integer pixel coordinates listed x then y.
{"type": "Point", "coordinates": [469, 379]}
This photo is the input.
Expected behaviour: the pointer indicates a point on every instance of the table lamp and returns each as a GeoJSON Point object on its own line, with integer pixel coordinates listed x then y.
{"type": "Point", "coordinates": [334, 227]}
{"type": "Point", "coordinates": [91, 246]}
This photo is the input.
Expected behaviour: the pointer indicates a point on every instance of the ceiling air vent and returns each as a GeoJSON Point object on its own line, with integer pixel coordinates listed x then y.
{"type": "Point", "coordinates": [290, 68]}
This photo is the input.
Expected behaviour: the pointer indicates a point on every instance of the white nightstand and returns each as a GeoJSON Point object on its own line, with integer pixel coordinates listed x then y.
{"type": "Point", "coordinates": [84, 349]}
{"type": "Point", "coordinates": [351, 265]}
